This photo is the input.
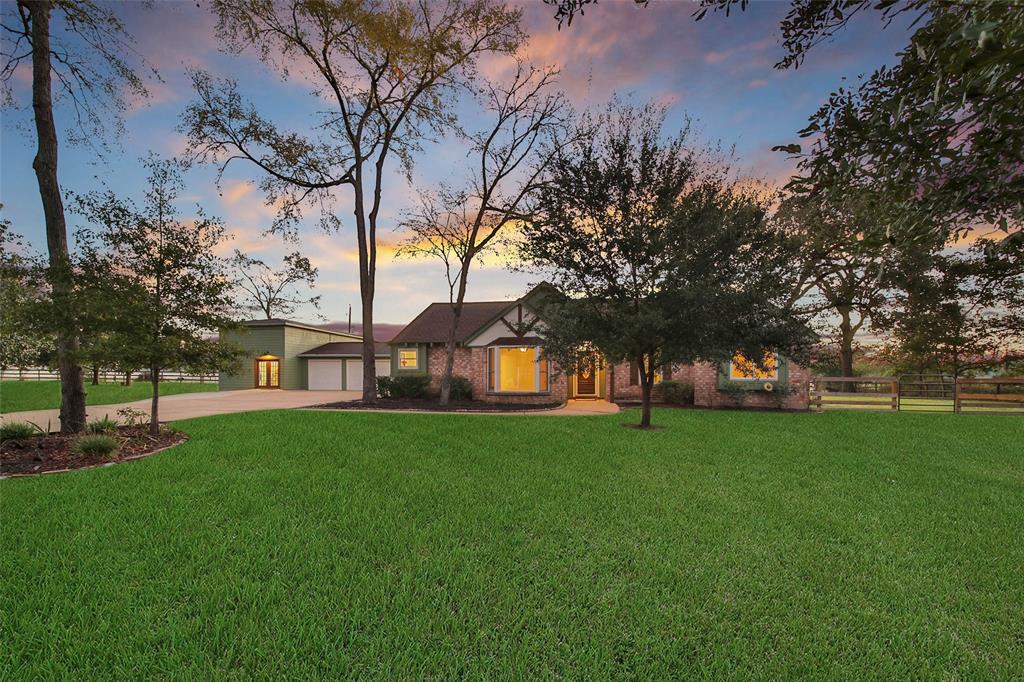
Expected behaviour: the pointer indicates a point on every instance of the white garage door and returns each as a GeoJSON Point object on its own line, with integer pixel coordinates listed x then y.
{"type": "Point", "coordinates": [354, 375]}
{"type": "Point", "coordinates": [354, 372]}
{"type": "Point", "coordinates": [324, 375]}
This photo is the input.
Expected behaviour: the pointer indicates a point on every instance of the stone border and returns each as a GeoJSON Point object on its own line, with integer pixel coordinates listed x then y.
{"type": "Point", "coordinates": [125, 460]}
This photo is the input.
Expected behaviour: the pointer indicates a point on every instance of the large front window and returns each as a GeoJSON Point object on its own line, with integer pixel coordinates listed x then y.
{"type": "Point", "coordinates": [516, 369]}
{"type": "Point", "coordinates": [742, 369]}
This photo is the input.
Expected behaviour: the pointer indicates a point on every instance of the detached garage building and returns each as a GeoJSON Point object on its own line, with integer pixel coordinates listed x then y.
{"type": "Point", "coordinates": [291, 355]}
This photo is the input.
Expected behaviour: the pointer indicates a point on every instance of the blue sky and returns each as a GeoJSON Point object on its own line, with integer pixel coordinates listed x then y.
{"type": "Point", "coordinates": [718, 71]}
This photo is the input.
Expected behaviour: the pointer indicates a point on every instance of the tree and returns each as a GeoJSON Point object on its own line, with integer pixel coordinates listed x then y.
{"type": "Point", "coordinates": [844, 274]}
{"type": "Point", "coordinates": [154, 282]}
{"type": "Point", "coordinates": [389, 70]}
{"type": "Point", "coordinates": [566, 10]}
{"type": "Point", "coordinates": [275, 293]}
{"type": "Point", "coordinates": [938, 134]}
{"type": "Point", "coordinates": [456, 226]}
{"type": "Point", "coordinates": [660, 256]}
{"type": "Point", "coordinates": [957, 311]}
{"type": "Point", "coordinates": [84, 46]}
{"type": "Point", "coordinates": [22, 290]}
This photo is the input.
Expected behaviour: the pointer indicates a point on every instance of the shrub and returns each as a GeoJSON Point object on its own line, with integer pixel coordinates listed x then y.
{"type": "Point", "coordinates": [461, 389]}
{"type": "Point", "coordinates": [19, 431]}
{"type": "Point", "coordinates": [403, 386]}
{"type": "Point", "coordinates": [97, 445]}
{"type": "Point", "coordinates": [105, 425]}
{"type": "Point", "coordinates": [736, 391]}
{"type": "Point", "coordinates": [675, 392]}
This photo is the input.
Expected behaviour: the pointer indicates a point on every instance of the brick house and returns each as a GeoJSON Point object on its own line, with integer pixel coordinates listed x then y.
{"type": "Point", "coordinates": [498, 349]}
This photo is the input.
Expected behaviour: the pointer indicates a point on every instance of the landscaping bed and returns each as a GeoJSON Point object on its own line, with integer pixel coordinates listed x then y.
{"type": "Point", "coordinates": [427, 405]}
{"type": "Point", "coordinates": [56, 451]}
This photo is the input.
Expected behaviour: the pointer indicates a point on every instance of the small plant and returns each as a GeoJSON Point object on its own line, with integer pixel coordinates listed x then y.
{"type": "Point", "coordinates": [19, 431]}
{"type": "Point", "coordinates": [737, 392]}
{"type": "Point", "coordinates": [129, 416]}
{"type": "Point", "coordinates": [105, 425]}
{"type": "Point", "coordinates": [461, 389]}
{"type": "Point", "coordinates": [675, 392]}
{"type": "Point", "coordinates": [97, 445]}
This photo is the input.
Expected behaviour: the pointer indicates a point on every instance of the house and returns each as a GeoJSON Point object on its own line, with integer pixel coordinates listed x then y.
{"type": "Point", "coordinates": [498, 349]}
{"type": "Point", "coordinates": [291, 355]}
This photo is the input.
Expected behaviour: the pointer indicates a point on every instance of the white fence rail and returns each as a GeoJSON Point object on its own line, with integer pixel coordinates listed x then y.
{"type": "Point", "coordinates": [105, 376]}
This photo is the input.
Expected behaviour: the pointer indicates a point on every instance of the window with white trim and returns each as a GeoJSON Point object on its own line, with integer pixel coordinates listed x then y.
{"type": "Point", "coordinates": [517, 369]}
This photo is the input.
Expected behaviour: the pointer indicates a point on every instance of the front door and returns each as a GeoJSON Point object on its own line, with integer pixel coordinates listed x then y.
{"type": "Point", "coordinates": [586, 379]}
{"type": "Point", "coordinates": [268, 373]}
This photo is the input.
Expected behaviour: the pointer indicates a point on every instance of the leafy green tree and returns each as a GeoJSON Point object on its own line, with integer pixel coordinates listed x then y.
{"type": "Point", "coordinates": [275, 293]}
{"type": "Point", "coordinates": [22, 291]}
{"type": "Point", "coordinates": [83, 45]}
{"type": "Point", "coordinates": [390, 72]}
{"type": "Point", "coordinates": [457, 226]}
{"type": "Point", "coordinates": [154, 282]}
{"type": "Point", "coordinates": [844, 272]}
{"type": "Point", "coordinates": [957, 311]}
{"type": "Point", "coordinates": [659, 255]}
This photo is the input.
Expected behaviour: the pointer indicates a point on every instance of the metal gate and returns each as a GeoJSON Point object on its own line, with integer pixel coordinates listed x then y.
{"type": "Point", "coordinates": [927, 393]}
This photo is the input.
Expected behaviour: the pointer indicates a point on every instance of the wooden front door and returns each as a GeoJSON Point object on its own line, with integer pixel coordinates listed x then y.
{"type": "Point", "coordinates": [268, 373]}
{"type": "Point", "coordinates": [586, 379]}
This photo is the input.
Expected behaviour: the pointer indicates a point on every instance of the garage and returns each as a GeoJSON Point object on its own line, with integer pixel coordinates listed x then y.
{"type": "Point", "coordinates": [354, 372]}
{"type": "Point", "coordinates": [324, 375]}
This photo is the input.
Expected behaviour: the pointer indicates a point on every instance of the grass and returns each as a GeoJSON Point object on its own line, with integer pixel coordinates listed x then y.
{"type": "Point", "coordinates": [16, 396]}
{"type": "Point", "coordinates": [728, 545]}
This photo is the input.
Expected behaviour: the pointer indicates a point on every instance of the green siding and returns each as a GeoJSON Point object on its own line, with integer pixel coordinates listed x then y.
{"type": "Point", "coordinates": [285, 342]}
{"type": "Point", "coordinates": [256, 341]}
{"type": "Point", "coordinates": [421, 359]}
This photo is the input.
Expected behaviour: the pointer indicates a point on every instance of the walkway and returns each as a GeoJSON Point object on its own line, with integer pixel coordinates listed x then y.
{"type": "Point", "coordinates": [189, 405]}
{"type": "Point", "coordinates": [572, 408]}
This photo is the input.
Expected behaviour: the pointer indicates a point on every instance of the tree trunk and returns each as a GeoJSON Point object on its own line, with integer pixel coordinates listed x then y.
{"type": "Point", "coordinates": [128, 378]}
{"type": "Point", "coordinates": [646, 383]}
{"type": "Point", "coordinates": [95, 375]}
{"type": "Point", "coordinates": [449, 351]}
{"type": "Point", "coordinates": [154, 407]}
{"type": "Point", "coordinates": [369, 352]}
{"type": "Point", "coordinates": [72, 399]}
{"type": "Point", "coordinates": [846, 347]}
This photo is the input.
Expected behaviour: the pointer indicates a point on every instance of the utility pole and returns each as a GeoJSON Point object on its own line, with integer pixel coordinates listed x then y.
{"type": "Point", "coordinates": [349, 318]}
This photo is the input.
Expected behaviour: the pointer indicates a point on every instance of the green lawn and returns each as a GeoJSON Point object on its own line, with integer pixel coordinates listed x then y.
{"type": "Point", "coordinates": [729, 545]}
{"type": "Point", "coordinates": [16, 396]}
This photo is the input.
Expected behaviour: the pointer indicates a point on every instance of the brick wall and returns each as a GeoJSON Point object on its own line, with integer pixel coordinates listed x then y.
{"type": "Point", "coordinates": [704, 377]}
{"type": "Point", "coordinates": [472, 364]}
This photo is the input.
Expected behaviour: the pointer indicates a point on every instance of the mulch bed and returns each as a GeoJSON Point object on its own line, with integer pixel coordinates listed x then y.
{"type": "Point", "coordinates": [54, 452]}
{"type": "Point", "coordinates": [433, 406]}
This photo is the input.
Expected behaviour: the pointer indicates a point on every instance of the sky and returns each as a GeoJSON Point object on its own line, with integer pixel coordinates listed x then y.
{"type": "Point", "coordinates": [718, 71]}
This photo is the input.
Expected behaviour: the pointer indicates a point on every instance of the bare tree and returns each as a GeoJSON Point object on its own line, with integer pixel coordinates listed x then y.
{"type": "Point", "coordinates": [389, 69]}
{"type": "Point", "coordinates": [83, 45]}
{"type": "Point", "coordinates": [275, 293]}
{"type": "Point", "coordinates": [456, 226]}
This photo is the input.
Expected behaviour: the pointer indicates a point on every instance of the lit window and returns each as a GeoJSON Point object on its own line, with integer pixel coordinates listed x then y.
{"type": "Point", "coordinates": [519, 369]}
{"type": "Point", "coordinates": [408, 358]}
{"type": "Point", "coordinates": [742, 369]}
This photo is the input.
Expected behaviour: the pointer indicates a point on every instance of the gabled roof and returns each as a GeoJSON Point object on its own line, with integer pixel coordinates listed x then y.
{"type": "Point", "coordinates": [345, 349]}
{"type": "Point", "coordinates": [431, 325]}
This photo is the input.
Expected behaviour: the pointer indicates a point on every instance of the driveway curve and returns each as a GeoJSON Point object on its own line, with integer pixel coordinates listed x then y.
{"type": "Point", "coordinates": [189, 405]}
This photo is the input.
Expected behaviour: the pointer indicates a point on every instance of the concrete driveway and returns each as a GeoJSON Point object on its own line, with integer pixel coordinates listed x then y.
{"type": "Point", "coordinates": [189, 405]}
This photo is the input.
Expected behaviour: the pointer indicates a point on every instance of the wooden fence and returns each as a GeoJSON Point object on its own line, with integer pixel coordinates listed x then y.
{"type": "Point", "coordinates": [990, 396]}
{"type": "Point", "coordinates": [855, 393]}
{"type": "Point", "coordinates": [105, 376]}
{"type": "Point", "coordinates": [914, 393]}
